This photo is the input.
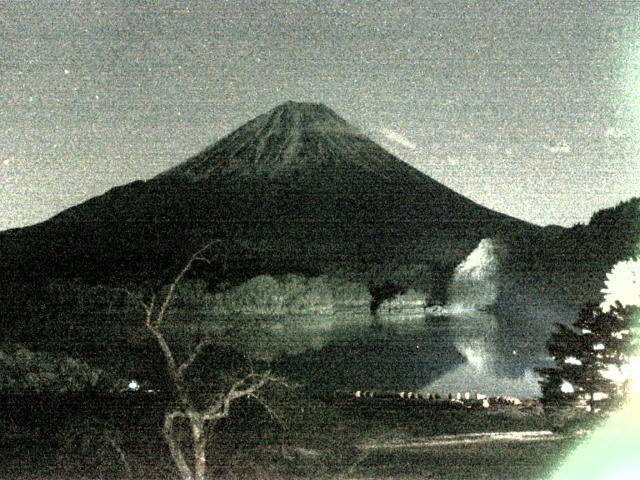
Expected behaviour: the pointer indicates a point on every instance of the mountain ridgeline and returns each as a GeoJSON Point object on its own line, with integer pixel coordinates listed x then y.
{"type": "Point", "coordinates": [296, 189]}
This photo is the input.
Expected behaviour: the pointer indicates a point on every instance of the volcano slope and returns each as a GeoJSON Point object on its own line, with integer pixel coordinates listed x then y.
{"type": "Point", "coordinates": [297, 189]}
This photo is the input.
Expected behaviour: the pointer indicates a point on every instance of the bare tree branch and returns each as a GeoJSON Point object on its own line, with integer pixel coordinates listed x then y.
{"type": "Point", "coordinates": [174, 447]}
{"type": "Point", "coordinates": [136, 298]}
{"type": "Point", "coordinates": [155, 311]}
{"type": "Point", "coordinates": [269, 410]}
{"type": "Point", "coordinates": [169, 295]}
{"type": "Point", "coordinates": [240, 388]}
{"type": "Point", "coordinates": [153, 320]}
{"type": "Point", "coordinates": [149, 309]}
{"type": "Point", "coordinates": [174, 372]}
{"type": "Point", "coordinates": [194, 354]}
{"type": "Point", "coordinates": [110, 437]}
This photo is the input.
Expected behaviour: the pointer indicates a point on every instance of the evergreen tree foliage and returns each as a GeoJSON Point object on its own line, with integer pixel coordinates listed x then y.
{"type": "Point", "coordinates": [591, 358]}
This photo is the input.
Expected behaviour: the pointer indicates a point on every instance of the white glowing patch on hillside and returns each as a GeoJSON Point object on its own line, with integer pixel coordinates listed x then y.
{"type": "Point", "coordinates": [474, 283]}
{"type": "Point", "coordinates": [481, 263]}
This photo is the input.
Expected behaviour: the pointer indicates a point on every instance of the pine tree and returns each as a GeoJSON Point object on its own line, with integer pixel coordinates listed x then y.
{"type": "Point", "coordinates": [590, 356]}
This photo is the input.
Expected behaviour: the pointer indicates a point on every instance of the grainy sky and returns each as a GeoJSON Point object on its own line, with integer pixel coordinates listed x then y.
{"type": "Point", "coordinates": [530, 108]}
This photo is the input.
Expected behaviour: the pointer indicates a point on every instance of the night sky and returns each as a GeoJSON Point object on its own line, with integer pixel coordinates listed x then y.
{"type": "Point", "coordinates": [530, 108]}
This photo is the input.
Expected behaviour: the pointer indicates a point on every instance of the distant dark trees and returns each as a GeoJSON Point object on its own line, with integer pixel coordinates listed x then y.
{"type": "Point", "coordinates": [590, 357]}
{"type": "Point", "coordinates": [614, 232]}
{"type": "Point", "coordinates": [386, 281]}
{"type": "Point", "coordinates": [441, 275]}
{"type": "Point", "coordinates": [385, 291]}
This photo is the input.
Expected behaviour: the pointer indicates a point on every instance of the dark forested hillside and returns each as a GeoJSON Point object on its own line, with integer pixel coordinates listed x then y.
{"type": "Point", "coordinates": [571, 264]}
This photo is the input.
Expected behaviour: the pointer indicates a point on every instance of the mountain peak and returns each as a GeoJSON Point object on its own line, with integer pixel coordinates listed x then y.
{"type": "Point", "coordinates": [291, 105]}
{"type": "Point", "coordinates": [311, 117]}
{"type": "Point", "coordinates": [271, 143]}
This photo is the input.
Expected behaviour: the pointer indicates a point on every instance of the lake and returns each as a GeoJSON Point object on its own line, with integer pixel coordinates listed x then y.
{"type": "Point", "coordinates": [404, 350]}
{"type": "Point", "coordinates": [401, 349]}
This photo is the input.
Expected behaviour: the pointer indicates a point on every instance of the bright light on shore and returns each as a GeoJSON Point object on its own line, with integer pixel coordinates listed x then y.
{"type": "Point", "coordinates": [133, 385]}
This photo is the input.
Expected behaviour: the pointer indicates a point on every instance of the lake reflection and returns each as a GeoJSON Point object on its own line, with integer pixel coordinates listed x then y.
{"type": "Point", "coordinates": [465, 351]}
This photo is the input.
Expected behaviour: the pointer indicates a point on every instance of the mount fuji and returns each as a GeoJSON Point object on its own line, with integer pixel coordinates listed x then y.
{"type": "Point", "coordinates": [297, 189]}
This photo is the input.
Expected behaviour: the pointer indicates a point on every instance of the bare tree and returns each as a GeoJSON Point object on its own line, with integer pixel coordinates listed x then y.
{"type": "Point", "coordinates": [198, 417]}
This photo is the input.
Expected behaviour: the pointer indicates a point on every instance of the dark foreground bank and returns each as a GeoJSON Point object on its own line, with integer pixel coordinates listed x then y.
{"type": "Point", "coordinates": [118, 436]}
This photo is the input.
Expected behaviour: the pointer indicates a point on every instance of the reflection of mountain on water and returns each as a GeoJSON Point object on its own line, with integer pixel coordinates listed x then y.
{"type": "Point", "coordinates": [506, 334]}
{"type": "Point", "coordinates": [498, 360]}
{"type": "Point", "coordinates": [479, 341]}
{"type": "Point", "coordinates": [473, 343]}
{"type": "Point", "coordinates": [476, 342]}
{"type": "Point", "coordinates": [396, 353]}
{"type": "Point", "coordinates": [467, 351]}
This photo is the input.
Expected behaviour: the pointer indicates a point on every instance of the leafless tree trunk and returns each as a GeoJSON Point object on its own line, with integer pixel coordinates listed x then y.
{"type": "Point", "coordinates": [198, 418]}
